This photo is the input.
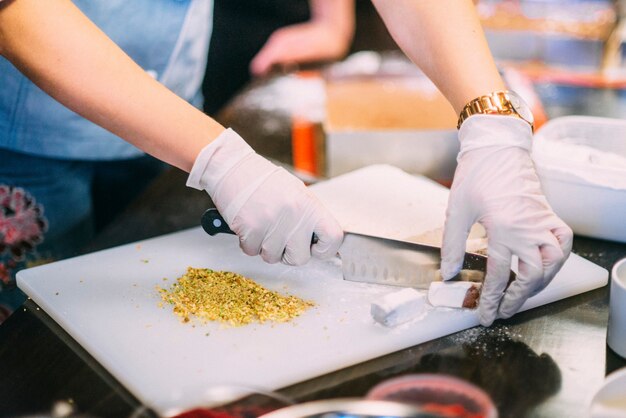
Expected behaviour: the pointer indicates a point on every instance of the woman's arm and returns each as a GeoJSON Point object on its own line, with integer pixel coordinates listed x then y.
{"type": "Point", "coordinates": [58, 48]}
{"type": "Point", "coordinates": [495, 182]}
{"type": "Point", "coordinates": [65, 54]}
{"type": "Point", "coordinates": [444, 38]}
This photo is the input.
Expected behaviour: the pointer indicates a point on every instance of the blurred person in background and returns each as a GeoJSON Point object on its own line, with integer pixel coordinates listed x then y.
{"type": "Point", "coordinates": [253, 37]}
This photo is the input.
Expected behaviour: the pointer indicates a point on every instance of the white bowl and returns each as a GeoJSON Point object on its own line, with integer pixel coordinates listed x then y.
{"type": "Point", "coordinates": [581, 162]}
{"type": "Point", "coordinates": [610, 400]}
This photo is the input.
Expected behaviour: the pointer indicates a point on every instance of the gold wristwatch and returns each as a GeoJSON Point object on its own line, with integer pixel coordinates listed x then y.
{"type": "Point", "coordinates": [503, 102]}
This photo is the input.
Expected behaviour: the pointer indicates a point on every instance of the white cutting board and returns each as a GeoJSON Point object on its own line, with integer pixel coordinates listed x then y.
{"type": "Point", "coordinates": [107, 301]}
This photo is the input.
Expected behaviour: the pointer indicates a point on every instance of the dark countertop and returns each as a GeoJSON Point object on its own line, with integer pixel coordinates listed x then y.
{"type": "Point", "coordinates": [542, 363]}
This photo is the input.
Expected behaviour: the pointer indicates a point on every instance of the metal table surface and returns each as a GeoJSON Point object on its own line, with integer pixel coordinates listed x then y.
{"type": "Point", "coordinates": [545, 362]}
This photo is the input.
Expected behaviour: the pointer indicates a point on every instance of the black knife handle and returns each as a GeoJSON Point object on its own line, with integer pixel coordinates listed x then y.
{"type": "Point", "coordinates": [213, 223]}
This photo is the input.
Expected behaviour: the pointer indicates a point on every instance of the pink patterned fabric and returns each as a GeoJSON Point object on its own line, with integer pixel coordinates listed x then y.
{"type": "Point", "coordinates": [22, 226]}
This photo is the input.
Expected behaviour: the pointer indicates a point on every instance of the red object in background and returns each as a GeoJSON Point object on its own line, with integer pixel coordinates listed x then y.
{"type": "Point", "coordinates": [451, 411]}
{"type": "Point", "coordinates": [446, 396]}
{"type": "Point", "coordinates": [235, 412]}
{"type": "Point", "coordinates": [304, 146]}
{"type": "Point", "coordinates": [203, 413]}
{"type": "Point", "coordinates": [250, 406]}
{"type": "Point", "coordinates": [568, 77]}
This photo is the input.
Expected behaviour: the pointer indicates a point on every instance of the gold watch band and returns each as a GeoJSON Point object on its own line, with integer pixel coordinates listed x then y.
{"type": "Point", "coordinates": [495, 103]}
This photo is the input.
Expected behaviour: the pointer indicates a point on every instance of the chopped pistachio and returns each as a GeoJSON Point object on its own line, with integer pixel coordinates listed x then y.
{"type": "Point", "coordinates": [227, 297]}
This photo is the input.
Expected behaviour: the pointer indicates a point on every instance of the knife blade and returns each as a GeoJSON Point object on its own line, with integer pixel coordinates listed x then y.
{"type": "Point", "coordinates": [371, 259]}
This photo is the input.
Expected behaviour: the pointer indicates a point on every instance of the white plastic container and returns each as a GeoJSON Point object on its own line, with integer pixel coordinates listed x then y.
{"type": "Point", "coordinates": [581, 161]}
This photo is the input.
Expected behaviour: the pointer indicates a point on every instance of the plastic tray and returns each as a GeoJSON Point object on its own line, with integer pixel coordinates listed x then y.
{"type": "Point", "coordinates": [589, 196]}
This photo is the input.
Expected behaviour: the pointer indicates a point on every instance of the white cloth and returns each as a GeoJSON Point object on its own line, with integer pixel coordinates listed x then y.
{"type": "Point", "coordinates": [496, 185]}
{"type": "Point", "coordinates": [272, 212]}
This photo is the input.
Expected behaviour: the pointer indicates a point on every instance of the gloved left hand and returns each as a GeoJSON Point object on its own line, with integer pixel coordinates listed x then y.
{"type": "Point", "coordinates": [271, 211]}
{"type": "Point", "coordinates": [496, 185]}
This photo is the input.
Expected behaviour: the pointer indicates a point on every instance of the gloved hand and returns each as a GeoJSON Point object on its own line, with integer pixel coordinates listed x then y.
{"type": "Point", "coordinates": [271, 211]}
{"type": "Point", "coordinates": [495, 184]}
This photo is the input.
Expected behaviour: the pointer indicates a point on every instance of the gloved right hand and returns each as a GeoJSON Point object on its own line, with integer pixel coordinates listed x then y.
{"type": "Point", "coordinates": [496, 185]}
{"type": "Point", "coordinates": [271, 211]}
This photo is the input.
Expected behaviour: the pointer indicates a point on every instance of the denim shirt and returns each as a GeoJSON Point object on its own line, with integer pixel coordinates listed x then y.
{"type": "Point", "coordinates": [167, 38]}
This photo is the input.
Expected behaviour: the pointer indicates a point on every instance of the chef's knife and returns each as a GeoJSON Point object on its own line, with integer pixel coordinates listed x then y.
{"type": "Point", "coordinates": [370, 259]}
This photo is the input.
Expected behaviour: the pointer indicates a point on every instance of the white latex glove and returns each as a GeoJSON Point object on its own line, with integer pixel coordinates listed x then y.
{"type": "Point", "coordinates": [271, 211]}
{"type": "Point", "coordinates": [495, 184]}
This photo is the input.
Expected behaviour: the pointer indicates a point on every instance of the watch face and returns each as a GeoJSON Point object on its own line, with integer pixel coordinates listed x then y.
{"type": "Point", "coordinates": [520, 107]}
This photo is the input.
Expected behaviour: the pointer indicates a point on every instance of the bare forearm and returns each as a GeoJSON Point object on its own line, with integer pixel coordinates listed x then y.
{"type": "Point", "coordinates": [444, 38]}
{"type": "Point", "coordinates": [61, 51]}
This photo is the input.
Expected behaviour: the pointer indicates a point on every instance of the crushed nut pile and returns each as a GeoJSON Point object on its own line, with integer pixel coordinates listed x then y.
{"type": "Point", "coordinates": [228, 297]}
